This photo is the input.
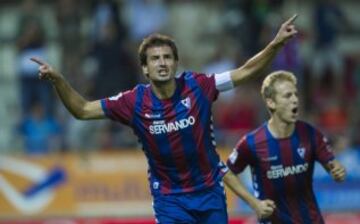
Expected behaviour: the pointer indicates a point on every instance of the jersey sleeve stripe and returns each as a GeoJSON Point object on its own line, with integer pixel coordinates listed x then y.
{"type": "Point", "coordinates": [104, 108]}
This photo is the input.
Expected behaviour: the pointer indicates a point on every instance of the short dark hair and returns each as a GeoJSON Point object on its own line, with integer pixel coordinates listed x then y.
{"type": "Point", "coordinates": [155, 40]}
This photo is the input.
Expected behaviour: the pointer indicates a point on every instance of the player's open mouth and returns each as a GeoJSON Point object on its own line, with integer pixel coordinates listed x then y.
{"type": "Point", "coordinates": [162, 71]}
{"type": "Point", "coordinates": [294, 110]}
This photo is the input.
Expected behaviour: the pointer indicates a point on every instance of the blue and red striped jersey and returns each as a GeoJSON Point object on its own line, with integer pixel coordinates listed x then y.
{"type": "Point", "coordinates": [176, 133]}
{"type": "Point", "coordinates": [282, 170]}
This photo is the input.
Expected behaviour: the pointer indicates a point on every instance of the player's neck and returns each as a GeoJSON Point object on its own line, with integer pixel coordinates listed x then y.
{"type": "Point", "coordinates": [164, 90]}
{"type": "Point", "coordinates": [280, 129]}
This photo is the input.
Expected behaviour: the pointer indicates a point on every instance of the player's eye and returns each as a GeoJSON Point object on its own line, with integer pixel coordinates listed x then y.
{"type": "Point", "coordinates": [154, 58]}
{"type": "Point", "coordinates": [168, 56]}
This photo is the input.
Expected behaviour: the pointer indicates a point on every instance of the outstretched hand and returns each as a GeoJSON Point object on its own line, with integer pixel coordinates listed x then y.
{"type": "Point", "coordinates": [264, 208]}
{"type": "Point", "coordinates": [46, 72]}
{"type": "Point", "coordinates": [286, 31]}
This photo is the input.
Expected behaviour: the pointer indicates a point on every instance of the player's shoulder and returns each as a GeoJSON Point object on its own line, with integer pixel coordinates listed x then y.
{"type": "Point", "coordinates": [193, 75]}
{"type": "Point", "coordinates": [257, 133]}
{"type": "Point", "coordinates": [138, 88]}
{"type": "Point", "coordinates": [141, 87]}
{"type": "Point", "coordinates": [251, 139]}
{"type": "Point", "coordinates": [309, 128]}
{"type": "Point", "coordinates": [259, 130]}
{"type": "Point", "coordinates": [131, 93]}
{"type": "Point", "coordinates": [305, 124]}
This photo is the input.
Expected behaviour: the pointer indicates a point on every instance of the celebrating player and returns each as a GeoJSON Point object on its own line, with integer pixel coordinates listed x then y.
{"type": "Point", "coordinates": [172, 119]}
{"type": "Point", "coordinates": [281, 154]}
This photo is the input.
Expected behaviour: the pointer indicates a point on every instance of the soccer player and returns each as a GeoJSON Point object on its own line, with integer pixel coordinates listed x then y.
{"type": "Point", "coordinates": [281, 154]}
{"type": "Point", "coordinates": [172, 119]}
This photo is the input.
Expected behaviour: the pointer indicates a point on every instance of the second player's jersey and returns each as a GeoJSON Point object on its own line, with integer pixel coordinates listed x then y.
{"type": "Point", "coordinates": [176, 133]}
{"type": "Point", "coordinates": [282, 170]}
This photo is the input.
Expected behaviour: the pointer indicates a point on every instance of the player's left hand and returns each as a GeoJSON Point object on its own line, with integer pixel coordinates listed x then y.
{"type": "Point", "coordinates": [337, 171]}
{"type": "Point", "coordinates": [286, 31]}
{"type": "Point", "coordinates": [264, 208]}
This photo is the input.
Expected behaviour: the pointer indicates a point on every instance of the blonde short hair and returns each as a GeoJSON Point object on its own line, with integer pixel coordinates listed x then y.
{"type": "Point", "coordinates": [267, 88]}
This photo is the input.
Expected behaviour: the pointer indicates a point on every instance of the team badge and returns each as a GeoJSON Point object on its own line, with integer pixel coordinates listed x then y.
{"type": "Point", "coordinates": [186, 102]}
{"type": "Point", "coordinates": [301, 152]}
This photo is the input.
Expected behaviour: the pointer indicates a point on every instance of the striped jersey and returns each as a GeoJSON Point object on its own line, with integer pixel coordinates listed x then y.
{"type": "Point", "coordinates": [176, 133]}
{"type": "Point", "coordinates": [282, 170]}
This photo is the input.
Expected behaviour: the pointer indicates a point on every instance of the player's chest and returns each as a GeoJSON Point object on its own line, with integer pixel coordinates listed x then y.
{"type": "Point", "coordinates": [283, 158]}
{"type": "Point", "coordinates": [175, 117]}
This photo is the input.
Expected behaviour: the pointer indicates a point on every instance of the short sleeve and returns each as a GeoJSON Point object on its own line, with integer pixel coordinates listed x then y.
{"type": "Point", "coordinates": [323, 150]}
{"type": "Point", "coordinates": [120, 107]}
{"type": "Point", "coordinates": [240, 157]}
{"type": "Point", "coordinates": [208, 85]}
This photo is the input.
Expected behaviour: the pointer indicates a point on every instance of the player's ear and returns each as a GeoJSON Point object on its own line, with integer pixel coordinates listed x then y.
{"type": "Point", "coordinates": [145, 71]}
{"type": "Point", "coordinates": [270, 103]}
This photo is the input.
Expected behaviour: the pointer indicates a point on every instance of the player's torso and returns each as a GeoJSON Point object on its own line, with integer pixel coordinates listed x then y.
{"type": "Point", "coordinates": [170, 125]}
{"type": "Point", "coordinates": [283, 172]}
{"type": "Point", "coordinates": [176, 138]}
{"type": "Point", "coordinates": [284, 162]}
{"type": "Point", "coordinates": [177, 135]}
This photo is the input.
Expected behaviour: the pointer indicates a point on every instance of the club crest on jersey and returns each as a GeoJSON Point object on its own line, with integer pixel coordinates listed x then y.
{"type": "Point", "coordinates": [301, 152]}
{"type": "Point", "coordinates": [186, 102]}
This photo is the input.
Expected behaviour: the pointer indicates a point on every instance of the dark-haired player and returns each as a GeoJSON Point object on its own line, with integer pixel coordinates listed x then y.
{"type": "Point", "coordinates": [173, 121]}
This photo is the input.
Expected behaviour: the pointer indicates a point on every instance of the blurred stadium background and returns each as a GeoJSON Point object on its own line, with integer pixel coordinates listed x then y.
{"type": "Point", "coordinates": [55, 169]}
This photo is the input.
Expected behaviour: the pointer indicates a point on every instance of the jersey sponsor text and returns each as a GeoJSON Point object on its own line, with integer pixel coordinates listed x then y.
{"type": "Point", "coordinates": [280, 171]}
{"type": "Point", "coordinates": [163, 128]}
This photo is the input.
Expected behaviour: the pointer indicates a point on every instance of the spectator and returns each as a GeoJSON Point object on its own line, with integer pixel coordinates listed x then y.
{"type": "Point", "coordinates": [41, 133]}
{"type": "Point", "coordinates": [145, 17]}
{"type": "Point", "coordinates": [114, 68]}
{"type": "Point", "coordinates": [69, 23]}
{"type": "Point", "coordinates": [31, 41]}
{"type": "Point", "coordinates": [328, 20]}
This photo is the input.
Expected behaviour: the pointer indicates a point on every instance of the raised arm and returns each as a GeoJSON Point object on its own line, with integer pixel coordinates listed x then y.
{"type": "Point", "coordinates": [261, 60]}
{"type": "Point", "coordinates": [262, 208]}
{"type": "Point", "coordinates": [73, 101]}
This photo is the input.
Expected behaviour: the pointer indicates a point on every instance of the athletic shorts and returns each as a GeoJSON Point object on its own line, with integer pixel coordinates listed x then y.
{"type": "Point", "coordinates": [206, 206]}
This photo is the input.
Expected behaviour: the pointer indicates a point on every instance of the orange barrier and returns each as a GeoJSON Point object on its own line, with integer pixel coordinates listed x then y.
{"type": "Point", "coordinates": [70, 185]}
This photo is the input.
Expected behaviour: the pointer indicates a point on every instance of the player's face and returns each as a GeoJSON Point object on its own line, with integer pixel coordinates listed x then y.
{"type": "Point", "coordinates": [285, 103]}
{"type": "Point", "coordinates": [161, 64]}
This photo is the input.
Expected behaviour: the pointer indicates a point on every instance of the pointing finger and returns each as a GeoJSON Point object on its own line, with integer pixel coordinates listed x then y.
{"type": "Point", "coordinates": [38, 61]}
{"type": "Point", "coordinates": [291, 20]}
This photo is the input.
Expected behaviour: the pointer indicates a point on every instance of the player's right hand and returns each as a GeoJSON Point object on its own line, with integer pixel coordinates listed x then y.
{"type": "Point", "coordinates": [265, 208]}
{"type": "Point", "coordinates": [286, 31]}
{"type": "Point", "coordinates": [46, 72]}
